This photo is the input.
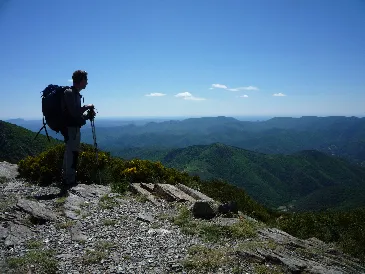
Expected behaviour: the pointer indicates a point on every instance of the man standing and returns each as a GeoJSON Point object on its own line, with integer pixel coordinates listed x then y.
{"type": "Point", "coordinates": [74, 119]}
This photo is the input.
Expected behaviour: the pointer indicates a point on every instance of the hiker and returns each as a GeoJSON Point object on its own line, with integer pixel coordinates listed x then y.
{"type": "Point", "coordinates": [74, 119]}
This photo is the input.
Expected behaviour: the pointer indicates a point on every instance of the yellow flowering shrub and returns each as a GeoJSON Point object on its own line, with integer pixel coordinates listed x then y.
{"type": "Point", "coordinates": [89, 166]}
{"type": "Point", "coordinates": [137, 171]}
{"type": "Point", "coordinates": [46, 168]}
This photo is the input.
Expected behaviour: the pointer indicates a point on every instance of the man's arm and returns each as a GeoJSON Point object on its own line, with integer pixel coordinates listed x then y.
{"type": "Point", "coordinates": [73, 109]}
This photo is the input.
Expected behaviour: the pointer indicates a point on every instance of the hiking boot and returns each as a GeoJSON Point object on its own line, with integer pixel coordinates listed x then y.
{"type": "Point", "coordinates": [65, 187]}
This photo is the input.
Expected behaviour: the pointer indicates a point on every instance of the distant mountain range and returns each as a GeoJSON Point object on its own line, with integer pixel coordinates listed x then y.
{"type": "Point", "coordinates": [334, 135]}
{"type": "Point", "coordinates": [340, 136]}
{"type": "Point", "coordinates": [294, 162]}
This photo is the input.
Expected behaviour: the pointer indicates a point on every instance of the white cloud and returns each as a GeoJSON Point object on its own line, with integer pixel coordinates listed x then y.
{"type": "Point", "coordinates": [244, 96]}
{"type": "Point", "coordinates": [69, 80]}
{"type": "Point", "coordinates": [243, 88]}
{"type": "Point", "coordinates": [184, 94]}
{"type": "Point", "coordinates": [188, 96]}
{"type": "Point", "coordinates": [156, 94]}
{"type": "Point", "coordinates": [248, 88]}
{"type": "Point", "coordinates": [233, 89]}
{"type": "Point", "coordinates": [218, 86]}
{"type": "Point", "coordinates": [194, 98]}
{"type": "Point", "coordinates": [279, 94]}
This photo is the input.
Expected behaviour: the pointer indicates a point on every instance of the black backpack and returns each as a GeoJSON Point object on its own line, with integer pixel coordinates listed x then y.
{"type": "Point", "coordinates": [52, 97]}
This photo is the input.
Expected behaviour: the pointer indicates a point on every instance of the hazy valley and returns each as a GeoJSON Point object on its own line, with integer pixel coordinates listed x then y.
{"type": "Point", "coordinates": [307, 163]}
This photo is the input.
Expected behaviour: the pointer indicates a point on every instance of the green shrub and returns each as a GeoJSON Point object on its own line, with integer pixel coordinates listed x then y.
{"type": "Point", "coordinates": [89, 167]}
{"type": "Point", "coordinates": [207, 260]}
{"type": "Point", "coordinates": [46, 168]}
{"type": "Point", "coordinates": [136, 171]}
{"type": "Point", "coordinates": [345, 228]}
{"type": "Point", "coordinates": [224, 192]}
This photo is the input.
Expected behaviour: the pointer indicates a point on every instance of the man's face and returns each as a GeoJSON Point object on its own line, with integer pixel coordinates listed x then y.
{"type": "Point", "coordinates": [83, 83]}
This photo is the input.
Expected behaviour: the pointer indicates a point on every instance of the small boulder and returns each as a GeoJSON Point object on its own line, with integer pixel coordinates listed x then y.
{"type": "Point", "coordinates": [145, 217]}
{"type": "Point", "coordinates": [230, 207]}
{"type": "Point", "coordinates": [204, 210]}
{"type": "Point", "coordinates": [76, 232]}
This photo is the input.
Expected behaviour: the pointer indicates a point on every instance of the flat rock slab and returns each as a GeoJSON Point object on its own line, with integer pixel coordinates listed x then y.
{"type": "Point", "coordinates": [281, 237]}
{"type": "Point", "coordinates": [90, 191]}
{"type": "Point", "coordinates": [197, 195]}
{"type": "Point", "coordinates": [172, 193]}
{"type": "Point", "coordinates": [8, 170]}
{"type": "Point", "coordinates": [46, 193]}
{"type": "Point", "coordinates": [72, 206]}
{"type": "Point", "coordinates": [137, 188]}
{"type": "Point", "coordinates": [37, 210]}
{"type": "Point", "coordinates": [13, 186]}
{"type": "Point", "coordinates": [79, 195]}
{"type": "Point", "coordinates": [299, 265]}
{"type": "Point", "coordinates": [305, 264]}
{"type": "Point", "coordinates": [148, 186]}
{"type": "Point", "coordinates": [252, 256]}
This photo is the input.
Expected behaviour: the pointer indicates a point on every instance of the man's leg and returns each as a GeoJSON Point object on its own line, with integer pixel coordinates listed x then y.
{"type": "Point", "coordinates": [71, 155]}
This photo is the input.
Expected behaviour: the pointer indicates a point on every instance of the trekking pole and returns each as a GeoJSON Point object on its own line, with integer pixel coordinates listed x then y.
{"type": "Point", "coordinates": [92, 122]}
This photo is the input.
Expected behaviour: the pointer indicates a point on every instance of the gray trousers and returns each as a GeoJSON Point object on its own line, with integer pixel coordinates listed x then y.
{"type": "Point", "coordinates": [72, 141]}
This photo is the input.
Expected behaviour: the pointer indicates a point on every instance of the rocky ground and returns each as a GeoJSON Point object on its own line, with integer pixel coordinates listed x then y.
{"type": "Point", "coordinates": [96, 231]}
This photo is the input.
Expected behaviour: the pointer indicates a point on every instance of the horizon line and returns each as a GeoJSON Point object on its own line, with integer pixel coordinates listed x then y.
{"type": "Point", "coordinates": [194, 116]}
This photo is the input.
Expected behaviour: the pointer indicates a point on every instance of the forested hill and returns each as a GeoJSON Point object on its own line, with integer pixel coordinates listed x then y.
{"type": "Point", "coordinates": [307, 179]}
{"type": "Point", "coordinates": [17, 142]}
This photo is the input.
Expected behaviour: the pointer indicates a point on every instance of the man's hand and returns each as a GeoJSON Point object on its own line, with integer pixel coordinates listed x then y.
{"type": "Point", "coordinates": [90, 114]}
{"type": "Point", "coordinates": [87, 107]}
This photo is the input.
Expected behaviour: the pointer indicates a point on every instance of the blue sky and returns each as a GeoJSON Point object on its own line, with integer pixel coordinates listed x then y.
{"type": "Point", "coordinates": [193, 58]}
